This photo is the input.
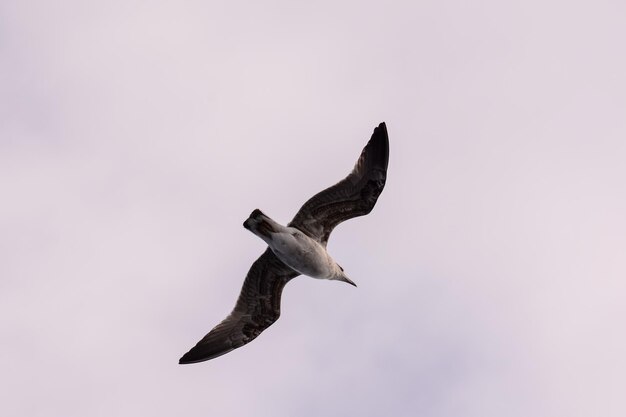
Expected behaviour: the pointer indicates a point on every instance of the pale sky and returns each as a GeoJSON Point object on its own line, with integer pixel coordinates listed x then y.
{"type": "Point", "coordinates": [136, 137]}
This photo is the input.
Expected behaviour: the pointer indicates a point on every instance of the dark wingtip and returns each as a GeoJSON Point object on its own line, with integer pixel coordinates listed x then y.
{"type": "Point", "coordinates": [379, 145]}
{"type": "Point", "coordinates": [187, 358]}
{"type": "Point", "coordinates": [203, 352]}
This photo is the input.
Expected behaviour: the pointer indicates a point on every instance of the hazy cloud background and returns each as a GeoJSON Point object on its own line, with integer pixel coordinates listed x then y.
{"type": "Point", "coordinates": [136, 136]}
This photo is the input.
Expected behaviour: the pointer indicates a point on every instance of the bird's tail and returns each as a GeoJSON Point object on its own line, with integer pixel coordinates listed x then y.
{"type": "Point", "coordinates": [261, 225]}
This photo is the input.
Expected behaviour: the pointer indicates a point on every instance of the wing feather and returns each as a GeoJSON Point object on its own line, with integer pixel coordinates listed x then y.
{"type": "Point", "coordinates": [351, 197]}
{"type": "Point", "coordinates": [256, 309]}
{"type": "Point", "coordinates": [258, 305]}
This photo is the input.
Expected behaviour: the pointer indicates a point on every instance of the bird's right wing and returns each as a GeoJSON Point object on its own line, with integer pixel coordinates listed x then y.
{"type": "Point", "coordinates": [257, 308]}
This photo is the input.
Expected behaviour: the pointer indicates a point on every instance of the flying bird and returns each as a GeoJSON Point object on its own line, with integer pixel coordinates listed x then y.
{"type": "Point", "coordinates": [299, 248]}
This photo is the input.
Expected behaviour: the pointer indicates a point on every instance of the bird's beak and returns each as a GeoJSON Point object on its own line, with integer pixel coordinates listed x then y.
{"type": "Point", "coordinates": [346, 279]}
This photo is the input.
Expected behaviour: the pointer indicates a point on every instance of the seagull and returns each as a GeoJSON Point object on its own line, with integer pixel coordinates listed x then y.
{"type": "Point", "coordinates": [296, 249]}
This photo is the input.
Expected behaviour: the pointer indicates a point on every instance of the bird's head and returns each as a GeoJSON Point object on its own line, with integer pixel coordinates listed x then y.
{"type": "Point", "coordinates": [340, 275]}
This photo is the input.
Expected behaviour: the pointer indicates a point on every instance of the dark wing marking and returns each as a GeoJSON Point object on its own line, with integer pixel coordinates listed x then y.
{"type": "Point", "coordinates": [257, 308]}
{"type": "Point", "coordinates": [353, 196]}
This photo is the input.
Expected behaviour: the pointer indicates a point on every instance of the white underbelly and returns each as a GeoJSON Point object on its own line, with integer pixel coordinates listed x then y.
{"type": "Point", "coordinates": [302, 254]}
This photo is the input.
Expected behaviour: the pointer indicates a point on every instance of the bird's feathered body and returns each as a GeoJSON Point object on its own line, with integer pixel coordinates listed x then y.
{"type": "Point", "coordinates": [298, 251]}
{"type": "Point", "coordinates": [298, 248]}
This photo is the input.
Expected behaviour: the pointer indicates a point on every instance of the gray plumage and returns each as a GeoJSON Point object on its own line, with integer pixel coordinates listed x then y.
{"type": "Point", "coordinates": [258, 305]}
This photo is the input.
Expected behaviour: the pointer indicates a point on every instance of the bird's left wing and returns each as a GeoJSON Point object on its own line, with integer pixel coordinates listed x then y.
{"type": "Point", "coordinates": [353, 196]}
{"type": "Point", "coordinates": [257, 308]}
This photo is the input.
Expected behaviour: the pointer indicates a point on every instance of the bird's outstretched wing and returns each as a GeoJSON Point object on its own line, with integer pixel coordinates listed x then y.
{"type": "Point", "coordinates": [258, 305]}
{"type": "Point", "coordinates": [257, 308]}
{"type": "Point", "coordinates": [353, 196]}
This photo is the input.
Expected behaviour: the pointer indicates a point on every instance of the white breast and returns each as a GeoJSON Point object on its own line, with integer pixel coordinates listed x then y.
{"type": "Point", "coordinates": [302, 253]}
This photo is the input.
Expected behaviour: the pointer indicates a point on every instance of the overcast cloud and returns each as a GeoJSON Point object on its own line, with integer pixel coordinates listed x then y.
{"type": "Point", "coordinates": [136, 136]}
